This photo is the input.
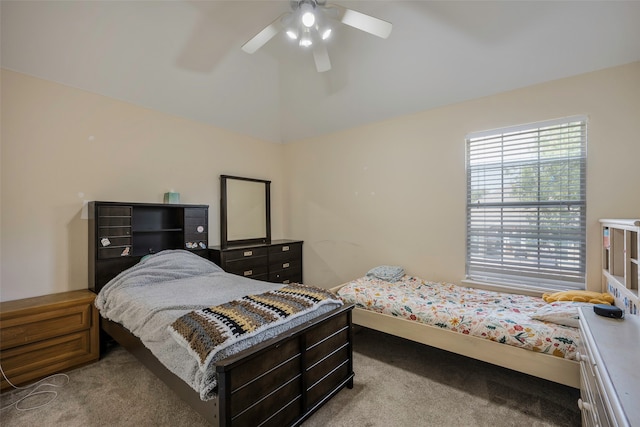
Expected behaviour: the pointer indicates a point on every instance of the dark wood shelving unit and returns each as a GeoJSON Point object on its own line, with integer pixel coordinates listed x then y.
{"type": "Point", "coordinates": [121, 233]}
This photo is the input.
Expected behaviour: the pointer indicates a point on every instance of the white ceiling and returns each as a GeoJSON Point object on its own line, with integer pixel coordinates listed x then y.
{"type": "Point", "coordinates": [184, 57]}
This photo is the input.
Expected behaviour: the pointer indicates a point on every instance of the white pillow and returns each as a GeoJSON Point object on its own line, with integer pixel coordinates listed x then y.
{"type": "Point", "coordinates": [561, 312]}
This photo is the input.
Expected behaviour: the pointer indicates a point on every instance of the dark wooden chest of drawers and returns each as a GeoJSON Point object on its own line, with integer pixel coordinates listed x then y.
{"type": "Point", "coordinates": [279, 261]}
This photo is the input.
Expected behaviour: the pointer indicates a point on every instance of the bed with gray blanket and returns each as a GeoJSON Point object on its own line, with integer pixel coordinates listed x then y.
{"type": "Point", "coordinates": [256, 375]}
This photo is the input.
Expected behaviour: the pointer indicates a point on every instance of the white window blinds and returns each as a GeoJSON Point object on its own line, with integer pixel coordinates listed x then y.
{"type": "Point", "coordinates": [526, 205]}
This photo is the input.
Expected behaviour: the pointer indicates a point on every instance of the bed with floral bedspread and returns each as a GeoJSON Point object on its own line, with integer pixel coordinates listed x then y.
{"type": "Point", "coordinates": [499, 317]}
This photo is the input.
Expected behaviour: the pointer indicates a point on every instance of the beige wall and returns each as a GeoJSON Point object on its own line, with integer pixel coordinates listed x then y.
{"type": "Point", "coordinates": [394, 192]}
{"type": "Point", "coordinates": [61, 146]}
{"type": "Point", "coordinates": [388, 193]}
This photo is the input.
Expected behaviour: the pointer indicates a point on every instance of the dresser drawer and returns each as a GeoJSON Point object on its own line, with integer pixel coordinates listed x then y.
{"type": "Point", "coordinates": [247, 262]}
{"type": "Point", "coordinates": [290, 264]}
{"type": "Point", "coordinates": [35, 327]}
{"type": "Point", "coordinates": [287, 252]}
{"type": "Point", "coordinates": [586, 403]}
{"type": "Point", "coordinates": [246, 254]}
{"type": "Point", "coordinates": [286, 272]}
{"type": "Point", "coordinates": [252, 271]}
{"type": "Point", "coordinates": [278, 262]}
{"type": "Point", "coordinates": [285, 263]}
{"type": "Point", "coordinates": [286, 276]}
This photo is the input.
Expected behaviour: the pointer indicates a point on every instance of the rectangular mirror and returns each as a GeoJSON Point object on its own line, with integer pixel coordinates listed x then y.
{"type": "Point", "coordinates": [245, 211]}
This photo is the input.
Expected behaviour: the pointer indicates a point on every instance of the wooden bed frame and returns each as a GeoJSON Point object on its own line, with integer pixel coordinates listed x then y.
{"type": "Point", "coordinates": [279, 382]}
{"type": "Point", "coordinates": [548, 367]}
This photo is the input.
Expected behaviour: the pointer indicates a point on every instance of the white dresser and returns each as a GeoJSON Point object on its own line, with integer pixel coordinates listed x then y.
{"type": "Point", "coordinates": [610, 370]}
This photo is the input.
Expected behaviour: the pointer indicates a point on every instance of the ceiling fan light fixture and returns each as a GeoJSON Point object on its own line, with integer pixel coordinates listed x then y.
{"type": "Point", "coordinates": [292, 34]}
{"type": "Point", "coordinates": [307, 16]}
{"type": "Point", "coordinates": [305, 39]}
{"type": "Point", "coordinates": [309, 22]}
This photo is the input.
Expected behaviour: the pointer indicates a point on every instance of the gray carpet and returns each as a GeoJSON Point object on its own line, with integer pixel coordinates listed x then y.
{"type": "Point", "coordinates": [397, 383]}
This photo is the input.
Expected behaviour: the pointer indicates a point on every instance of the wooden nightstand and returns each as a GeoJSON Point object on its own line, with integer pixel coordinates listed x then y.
{"type": "Point", "coordinates": [43, 335]}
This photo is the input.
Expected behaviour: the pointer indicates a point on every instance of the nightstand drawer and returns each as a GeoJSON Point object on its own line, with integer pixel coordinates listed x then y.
{"type": "Point", "coordinates": [31, 328]}
{"type": "Point", "coordinates": [48, 356]}
{"type": "Point", "coordinates": [43, 335]}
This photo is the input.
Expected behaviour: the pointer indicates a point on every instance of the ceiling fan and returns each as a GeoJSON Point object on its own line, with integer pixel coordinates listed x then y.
{"type": "Point", "coordinates": [309, 23]}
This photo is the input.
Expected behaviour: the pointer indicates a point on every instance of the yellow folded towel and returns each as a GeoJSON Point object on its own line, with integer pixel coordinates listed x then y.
{"type": "Point", "coordinates": [579, 296]}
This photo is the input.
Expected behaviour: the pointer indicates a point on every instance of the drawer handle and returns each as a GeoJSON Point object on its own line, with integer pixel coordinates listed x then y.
{"type": "Point", "coordinates": [248, 273]}
{"type": "Point", "coordinates": [285, 265]}
{"type": "Point", "coordinates": [285, 248]}
{"type": "Point", "coordinates": [247, 253]}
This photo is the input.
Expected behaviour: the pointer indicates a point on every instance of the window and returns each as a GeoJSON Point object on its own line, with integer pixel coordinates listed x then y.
{"type": "Point", "coordinates": [526, 205]}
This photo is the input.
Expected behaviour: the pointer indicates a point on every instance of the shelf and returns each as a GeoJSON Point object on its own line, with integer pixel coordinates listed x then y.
{"type": "Point", "coordinates": [159, 230]}
{"type": "Point", "coordinates": [137, 229]}
{"type": "Point", "coordinates": [620, 253]}
{"type": "Point", "coordinates": [618, 279]}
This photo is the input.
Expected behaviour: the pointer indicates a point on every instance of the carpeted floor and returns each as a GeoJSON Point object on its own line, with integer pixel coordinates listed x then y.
{"type": "Point", "coordinates": [397, 383]}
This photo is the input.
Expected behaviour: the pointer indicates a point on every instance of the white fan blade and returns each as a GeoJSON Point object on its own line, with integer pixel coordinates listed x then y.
{"type": "Point", "coordinates": [321, 56]}
{"type": "Point", "coordinates": [265, 35]}
{"type": "Point", "coordinates": [363, 22]}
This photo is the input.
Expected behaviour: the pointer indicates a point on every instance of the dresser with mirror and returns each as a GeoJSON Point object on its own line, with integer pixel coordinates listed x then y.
{"type": "Point", "coordinates": [246, 247]}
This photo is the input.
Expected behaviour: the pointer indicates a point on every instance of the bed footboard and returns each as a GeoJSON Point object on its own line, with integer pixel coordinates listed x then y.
{"type": "Point", "coordinates": [284, 383]}
{"type": "Point", "coordinates": [279, 382]}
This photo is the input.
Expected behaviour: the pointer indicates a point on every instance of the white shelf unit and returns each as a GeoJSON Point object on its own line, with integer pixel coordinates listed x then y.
{"type": "Point", "coordinates": [620, 251]}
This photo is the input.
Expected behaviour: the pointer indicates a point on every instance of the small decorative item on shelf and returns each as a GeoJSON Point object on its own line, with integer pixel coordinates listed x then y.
{"type": "Point", "coordinates": [172, 197]}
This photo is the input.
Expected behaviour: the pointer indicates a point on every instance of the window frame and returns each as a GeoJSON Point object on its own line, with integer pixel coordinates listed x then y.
{"type": "Point", "coordinates": [570, 261]}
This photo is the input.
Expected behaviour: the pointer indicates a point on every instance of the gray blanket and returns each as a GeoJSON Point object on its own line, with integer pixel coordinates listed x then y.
{"type": "Point", "coordinates": [151, 295]}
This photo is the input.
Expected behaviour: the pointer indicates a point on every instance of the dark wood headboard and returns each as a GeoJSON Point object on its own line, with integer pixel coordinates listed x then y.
{"type": "Point", "coordinates": [121, 233]}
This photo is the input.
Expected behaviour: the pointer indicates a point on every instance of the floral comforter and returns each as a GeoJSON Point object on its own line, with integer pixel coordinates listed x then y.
{"type": "Point", "coordinates": [496, 316]}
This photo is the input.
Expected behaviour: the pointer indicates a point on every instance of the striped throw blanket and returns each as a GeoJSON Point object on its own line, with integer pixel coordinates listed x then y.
{"type": "Point", "coordinates": [207, 331]}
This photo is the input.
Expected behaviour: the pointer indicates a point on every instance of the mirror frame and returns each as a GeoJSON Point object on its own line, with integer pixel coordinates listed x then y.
{"type": "Point", "coordinates": [224, 219]}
